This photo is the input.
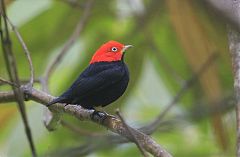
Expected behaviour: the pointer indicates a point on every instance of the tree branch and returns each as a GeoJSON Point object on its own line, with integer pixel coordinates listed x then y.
{"type": "Point", "coordinates": [110, 122]}
{"type": "Point", "coordinates": [26, 51]}
{"type": "Point", "coordinates": [6, 97]}
{"type": "Point", "coordinates": [11, 66]}
{"type": "Point", "coordinates": [8, 82]}
{"type": "Point", "coordinates": [135, 140]}
{"type": "Point", "coordinates": [110, 141]}
{"type": "Point", "coordinates": [234, 46]}
{"type": "Point", "coordinates": [150, 128]}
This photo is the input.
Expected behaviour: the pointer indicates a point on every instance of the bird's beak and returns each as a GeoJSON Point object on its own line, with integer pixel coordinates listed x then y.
{"type": "Point", "coordinates": [126, 47]}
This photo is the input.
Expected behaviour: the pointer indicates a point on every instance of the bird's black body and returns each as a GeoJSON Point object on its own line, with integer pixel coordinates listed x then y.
{"type": "Point", "coordinates": [100, 84]}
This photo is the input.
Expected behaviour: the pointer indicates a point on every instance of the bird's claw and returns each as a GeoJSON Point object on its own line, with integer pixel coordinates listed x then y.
{"type": "Point", "coordinates": [66, 105]}
{"type": "Point", "coordinates": [99, 116]}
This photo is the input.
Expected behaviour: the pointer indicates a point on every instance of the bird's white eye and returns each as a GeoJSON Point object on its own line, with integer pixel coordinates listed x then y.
{"type": "Point", "coordinates": [114, 49]}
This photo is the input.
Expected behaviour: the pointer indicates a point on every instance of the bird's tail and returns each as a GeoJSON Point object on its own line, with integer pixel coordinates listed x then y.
{"type": "Point", "coordinates": [54, 101]}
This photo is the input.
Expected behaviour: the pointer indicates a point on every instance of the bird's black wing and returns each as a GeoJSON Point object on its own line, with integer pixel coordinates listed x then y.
{"type": "Point", "coordinates": [87, 85]}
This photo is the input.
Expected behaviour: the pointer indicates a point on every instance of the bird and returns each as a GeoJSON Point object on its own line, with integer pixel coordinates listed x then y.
{"type": "Point", "coordinates": [103, 81]}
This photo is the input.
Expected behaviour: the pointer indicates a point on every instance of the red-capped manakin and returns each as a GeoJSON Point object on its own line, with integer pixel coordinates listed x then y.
{"type": "Point", "coordinates": [102, 82]}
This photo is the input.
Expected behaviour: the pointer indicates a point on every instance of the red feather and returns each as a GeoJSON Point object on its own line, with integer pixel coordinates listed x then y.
{"type": "Point", "coordinates": [106, 54]}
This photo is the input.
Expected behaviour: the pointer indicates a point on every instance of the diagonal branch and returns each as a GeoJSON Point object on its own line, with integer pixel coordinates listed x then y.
{"type": "Point", "coordinates": [139, 145]}
{"type": "Point", "coordinates": [22, 81]}
{"type": "Point", "coordinates": [8, 82]}
{"type": "Point", "coordinates": [13, 75]}
{"type": "Point", "coordinates": [110, 122]}
{"type": "Point", "coordinates": [109, 141]}
{"type": "Point", "coordinates": [150, 128]}
{"type": "Point", "coordinates": [26, 51]}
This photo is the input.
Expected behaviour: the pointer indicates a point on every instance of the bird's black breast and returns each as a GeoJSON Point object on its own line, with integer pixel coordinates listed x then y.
{"type": "Point", "coordinates": [100, 84]}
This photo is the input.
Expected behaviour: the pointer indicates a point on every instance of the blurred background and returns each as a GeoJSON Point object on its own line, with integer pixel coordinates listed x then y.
{"type": "Point", "coordinates": [173, 40]}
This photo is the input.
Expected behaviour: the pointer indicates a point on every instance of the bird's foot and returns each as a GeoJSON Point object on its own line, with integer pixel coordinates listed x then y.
{"type": "Point", "coordinates": [66, 105]}
{"type": "Point", "coordinates": [99, 116]}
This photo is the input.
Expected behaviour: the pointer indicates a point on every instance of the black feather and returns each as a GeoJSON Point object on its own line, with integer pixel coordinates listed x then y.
{"type": "Point", "coordinates": [99, 84]}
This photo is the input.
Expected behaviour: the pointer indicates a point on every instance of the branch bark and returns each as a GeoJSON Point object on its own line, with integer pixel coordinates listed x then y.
{"type": "Point", "coordinates": [234, 46]}
{"type": "Point", "coordinates": [8, 82]}
{"type": "Point", "coordinates": [110, 122]}
{"type": "Point", "coordinates": [139, 145]}
{"type": "Point", "coordinates": [26, 51]}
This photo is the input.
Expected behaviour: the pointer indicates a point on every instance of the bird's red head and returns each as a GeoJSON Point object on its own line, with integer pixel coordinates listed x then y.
{"type": "Point", "coordinates": [109, 52]}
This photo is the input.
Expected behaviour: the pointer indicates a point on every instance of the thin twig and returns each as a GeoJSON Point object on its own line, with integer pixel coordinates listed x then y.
{"type": "Point", "coordinates": [26, 51]}
{"type": "Point", "coordinates": [82, 22]}
{"type": "Point", "coordinates": [22, 81]}
{"type": "Point", "coordinates": [154, 125]}
{"type": "Point", "coordinates": [137, 142]}
{"type": "Point", "coordinates": [8, 82]}
{"type": "Point", "coordinates": [13, 75]}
